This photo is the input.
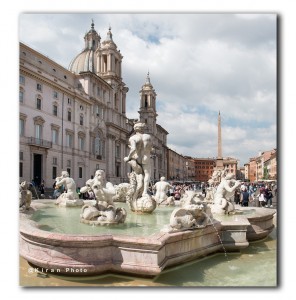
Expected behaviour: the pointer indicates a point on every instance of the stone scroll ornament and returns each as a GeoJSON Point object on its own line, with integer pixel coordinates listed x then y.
{"type": "Point", "coordinates": [137, 196]}
{"type": "Point", "coordinates": [103, 212]}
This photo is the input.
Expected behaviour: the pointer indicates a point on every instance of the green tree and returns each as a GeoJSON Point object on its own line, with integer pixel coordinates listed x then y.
{"type": "Point", "coordinates": [266, 175]}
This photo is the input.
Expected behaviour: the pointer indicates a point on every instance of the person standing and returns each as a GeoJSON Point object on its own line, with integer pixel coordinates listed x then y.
{"type": "Point", "coordinates": [237, 195]}
{"type": "Point", "coordinates": [245, 197]}
{"type": "Point", "coordinates": [268, 196]}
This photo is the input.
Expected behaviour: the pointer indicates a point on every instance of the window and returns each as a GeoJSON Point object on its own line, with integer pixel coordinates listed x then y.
{"type": "Point", "coordinates": [22, 79]}
{"type": "Point", "coordinates": [69, 101]}
{"type": "Point", "coordinates": [98, 111]}
{"type": "Point", "coordinates": [22, 127]}
{"type": "Point", "coordinates": [38, 103]}
{"type": "Point", "coordinates": [116, 101]}
{"type": "Point", "coordinates": [80, 172]}
{"type": "Point", "coordinates": [55, 94]}
{"type": "Point", "coordinates": [55, 110]}
{"type": "Point", "coordinates": [21, 96]}
{"type": "Point", "coordinates": [117, 151]}
{"type": "Point", "coordinates": [21, 155]}
{"type": "Point", "coordinates": [81, 120]}
{"type": "Point", "coordinates": [81, 143]}
{"type": "Point", "coordinates": [69, 140]}
{"type": "Point", "coordinates": [38, 131]}
{"type": "Point", "coordinates": [54, 133]}
{"type": "Point", "coordinates": [81, 107]}
{"type": "Point", "coordinates": [69, 171]}
{"type": "Point", "coordinates": [21, 169]}
{"type": "Point", "coordinates": [69, 116]}
{"type": "Point", "coordinates": [54, 172]}
{"type": "Point", "coordinates": [118, 170]}
{"type": "Point", "coordinates": [97, 147]}
{"type": "Point", "coordinates": [39, 87]}
{"type": "Point", "coordinates": [55, 161]}
{"type": "Point", "coordinates": [68, 163]}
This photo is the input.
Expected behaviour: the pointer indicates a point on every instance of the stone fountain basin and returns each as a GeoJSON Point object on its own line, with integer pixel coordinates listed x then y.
{"type": "Point", "coordinates": [78, 254]}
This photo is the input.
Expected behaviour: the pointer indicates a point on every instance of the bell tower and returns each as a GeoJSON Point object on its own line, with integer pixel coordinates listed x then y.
{"type": "Point", "coordinates": [109, 61]}
{"type": "Point", "coordinates": [148, 106]}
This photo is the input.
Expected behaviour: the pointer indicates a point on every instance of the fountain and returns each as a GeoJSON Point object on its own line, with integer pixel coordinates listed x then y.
{"type": "Point", "coordinates": [181, 234]}
{"type": "Point", "coordinates": [130, 247]}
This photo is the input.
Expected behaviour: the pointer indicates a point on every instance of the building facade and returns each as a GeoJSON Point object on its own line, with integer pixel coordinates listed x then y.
{"type": "Point", "coordinates": [204, 168]}
{"type": "Point", "coordinates": [176, 170]}
{"type": "Point", "coordinates": [75, 119]}
{"type": "Point", "coordinates": [262, 167]}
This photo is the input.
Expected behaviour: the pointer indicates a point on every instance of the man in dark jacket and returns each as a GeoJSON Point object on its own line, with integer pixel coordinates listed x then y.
{"type": "Point", "coordinates": [245, 196]}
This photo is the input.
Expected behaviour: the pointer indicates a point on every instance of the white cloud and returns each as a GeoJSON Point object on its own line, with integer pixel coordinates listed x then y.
{"type": "Point", "coordinates": [198, 63]}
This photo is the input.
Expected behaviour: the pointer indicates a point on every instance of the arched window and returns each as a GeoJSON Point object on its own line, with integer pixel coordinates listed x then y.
{"type": "Point", "coordinates": [38, 124]}
{"type": "Point", "coordinates": [81, 140]}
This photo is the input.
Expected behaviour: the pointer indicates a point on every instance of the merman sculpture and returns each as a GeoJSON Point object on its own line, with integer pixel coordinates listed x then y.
{"type": "Point", "coordinates": [104, 211]}
{"type": "Point", "coordinates": [140, 145]}
{"type": "Point", "coordinates": [70, 196]}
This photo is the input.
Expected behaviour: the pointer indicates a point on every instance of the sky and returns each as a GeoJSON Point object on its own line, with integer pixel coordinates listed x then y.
{"type": "Point", "coordinates": [199, 64]}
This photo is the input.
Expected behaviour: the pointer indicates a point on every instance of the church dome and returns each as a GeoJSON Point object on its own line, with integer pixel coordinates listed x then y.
{"type": "Point", "coordinates": [86, 60]}
{"type": "Point", "coordinates": [83, 62]}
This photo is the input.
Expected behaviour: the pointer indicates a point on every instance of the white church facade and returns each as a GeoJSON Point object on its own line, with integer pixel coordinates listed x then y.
{"type": "Point", "coordinates": [75, 119]}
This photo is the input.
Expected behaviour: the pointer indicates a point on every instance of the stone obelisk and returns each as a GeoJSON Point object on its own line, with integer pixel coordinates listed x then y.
{"type": "Point", "coordinates": [219, 160]}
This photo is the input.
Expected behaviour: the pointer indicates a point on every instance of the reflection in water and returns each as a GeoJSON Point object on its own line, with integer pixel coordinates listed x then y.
{"type": "Point", "coordinates": [67, 220]}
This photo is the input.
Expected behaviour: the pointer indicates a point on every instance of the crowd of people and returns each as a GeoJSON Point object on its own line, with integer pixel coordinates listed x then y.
{"type": "Point", "coordinates": [248, 194]}
{"type": "Point", "coordinates": [252, 192]}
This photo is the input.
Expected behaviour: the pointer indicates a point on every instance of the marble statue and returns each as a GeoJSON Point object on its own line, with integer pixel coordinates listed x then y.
{"type": "Point", "coordinates": [121, 191]}
{"type": "Point", "coordinates": [211, 190]}
{"type": "Point", "coordinates": [191, 197]}
{"type": "Point", "coordinates": [103, 211]}
{"type": "Point", "coordinates": [194, 213]}
{"type": "Point", "coordinates": [224, 193]}
{"type": "Point", "coordinates": [190, 216]}
{"type": "Point", "coordinates": [140, 145]}
{"type": "Point", "coordinates": [25, 196]}
{"type": "Point", "coordinates": [162, 187]}
{"type": "Point", "coordinates": [217, 176]}
{"type": "Point", "coordinates": [70, 196]}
